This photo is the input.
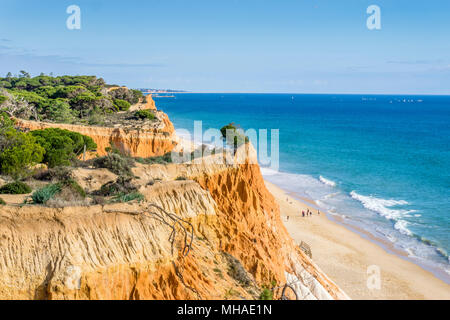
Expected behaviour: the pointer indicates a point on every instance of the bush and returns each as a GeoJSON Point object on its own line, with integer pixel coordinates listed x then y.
{"type": "Point", "coordinates": [230, 127]}
{"type": "Point", "coordinates": [3, 99]}
{"type": "Point", "coordinates": [167, 158]}
{"type": "Point", "coordinates": [18, 151]}
{"type": "Point", "coordinates": [2, 202]}
{"type": "Point", "coordinates": [62, 146]}
{"type": "Point", "coordinates": [266, 294]}
{"type": "Point", "coordinates": [116, 163]}
{"type": "Point", "coordinates": [71, 194]}
{"type": "Point", "coordinates": [128, 197]}
{"type": "Point", "coordinates": [60, 111]}
{"type": "Point", "coordinates": [144, 115]}
{"type": "Point", "coordinates": [74, 187]}
{"type": "Point", "coordinates": [122, 185]}
{"type": "Point", "coordinates": [54, 174]}
{"type": "Point", "coordinates": [233, 135]}
{"type": "Point", "coordinates": [46, 193]}
{"type": "Point", "coordinates": [180, 178]}
{"type": "Point", "coordinates": [122, 105]}
{"type": "Point", "coordinates": [95, 118]}
{"type": "Point", "coordinates": [15, 188]}
{"type": "Point", "coordinates": [237, 271]}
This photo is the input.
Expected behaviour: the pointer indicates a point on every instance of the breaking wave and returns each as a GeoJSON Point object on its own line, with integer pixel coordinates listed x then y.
{"type": "Point", "coordinates": [328, 182]}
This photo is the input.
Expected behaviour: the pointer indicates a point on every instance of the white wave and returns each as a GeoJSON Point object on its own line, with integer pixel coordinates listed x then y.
{"type": "Point", "coordinates": [400, 225]}
{"type": "Point", "coordinates": [391, 238]}
{"type": "Point", "coordinates": [382, 206]}
{"type": "Point", "coordinates": [328, 182]}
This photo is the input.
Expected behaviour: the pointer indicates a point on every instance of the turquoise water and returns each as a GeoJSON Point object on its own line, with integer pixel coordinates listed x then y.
{"type": "Point", "coordinates": [380, 162]}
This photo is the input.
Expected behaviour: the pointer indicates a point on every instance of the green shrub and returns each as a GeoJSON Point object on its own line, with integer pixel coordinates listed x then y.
{"type": "Point", "coordinates": [60, 111]}
{"type": "Point", "coordinates": [137, 95]}
{"type": "Point", "coordinates": [122, 105]}
{"type": "Point", "coordinates": [167, 158]}
{"type": "Point", "coordinates": [3, 99]}
{"type": "Point", "coordinates": [2, 202]}
{"type": "Point", "coordinates": [15, 188]}
{"type": "Point", "coordinates": [266, 294]}
{"type": "Point", "coordinates": [122, 185]}
{"type": "Point", "coordinates": [46, 193]}
{"type": "Point", "coordinates": [74, 187]}
{"type": "Point", "coordinates": [18, 152]}
{"type": "Point", "coordinates": [62, 146]}
{"type": "Point", "coordinates": [144, 115]}
{"type": "Point", "coordinates": [230, 127]}
{"type": "Point", "coordinates": [116, 163]}
{"type": "Point", "coordinates": [181, 178]}
{"type": "Point", "coordinates": [96, 118]}
{"type": "Point", "coordinates": [233, 135]}
{"type": "Point", "coordinates": [128, 197]}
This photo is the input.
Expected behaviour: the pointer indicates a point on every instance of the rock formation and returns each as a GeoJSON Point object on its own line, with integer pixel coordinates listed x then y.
{"type": "Point", "coordinates": [147, 141]}
{"type": "Point", "coordinates": [186, 241]}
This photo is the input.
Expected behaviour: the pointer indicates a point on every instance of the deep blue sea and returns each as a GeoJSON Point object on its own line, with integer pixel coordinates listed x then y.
{"type": "Point", "coordinates": [382, 163]}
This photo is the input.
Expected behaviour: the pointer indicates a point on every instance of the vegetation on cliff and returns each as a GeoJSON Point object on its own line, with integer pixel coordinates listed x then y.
{"type": "Point", "coordinates": [62, 146]}
{"type": "Point", "coordinates": [144, 114]}
{"type": "Point", "coordinates": [16, 187]}
{"type": "Point", "coordinates": [65, 99]}
{"type": "Point", "coordinates": [20, 151]}
{"type": "Point", "coordinates": [234, 135]}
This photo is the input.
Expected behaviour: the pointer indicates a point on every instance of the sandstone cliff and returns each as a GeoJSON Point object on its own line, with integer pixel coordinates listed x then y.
{"type": "Point", "coordinates": [147, 141]}
{"type": "Point", "coordinates": [186, 241]}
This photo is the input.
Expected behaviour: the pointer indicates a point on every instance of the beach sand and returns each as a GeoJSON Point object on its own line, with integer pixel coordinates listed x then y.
{"type": "Point", "coordinates": [345, 256]}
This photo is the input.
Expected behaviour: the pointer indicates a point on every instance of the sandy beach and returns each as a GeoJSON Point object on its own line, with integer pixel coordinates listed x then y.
{"type": "Point", "coordinates": [345, 256]}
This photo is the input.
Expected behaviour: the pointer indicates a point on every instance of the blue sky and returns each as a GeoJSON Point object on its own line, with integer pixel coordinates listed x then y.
{"type": "Point", "coordinates": [300, 46]}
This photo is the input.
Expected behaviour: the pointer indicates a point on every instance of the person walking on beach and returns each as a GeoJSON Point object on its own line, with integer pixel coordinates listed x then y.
{"type": "Point", "coordinates": [303, 214]}
{"type": "Point", "coordinates": [318, 212]}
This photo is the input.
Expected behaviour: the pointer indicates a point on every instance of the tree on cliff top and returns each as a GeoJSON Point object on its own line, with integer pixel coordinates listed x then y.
{"type": "Point", "coordinates": [31, 98]}
{"type": "Point", "coordinates": [18, 151]}
{"type": "Point", "coordinates": [234, 135]}
{"type": "Point", "coordinates": [62, 146]}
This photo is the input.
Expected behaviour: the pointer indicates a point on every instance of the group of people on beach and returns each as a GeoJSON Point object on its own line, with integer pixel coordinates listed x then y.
{"type": "Point", "coordinates": [309, 213]}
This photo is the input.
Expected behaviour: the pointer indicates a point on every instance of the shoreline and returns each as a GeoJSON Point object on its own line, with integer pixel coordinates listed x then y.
{"type": "Point", "coordinates": [345, 254]}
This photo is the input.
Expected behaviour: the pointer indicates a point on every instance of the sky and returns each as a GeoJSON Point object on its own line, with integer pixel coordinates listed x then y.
{"type": "Point", "coordinates": [298, 46]}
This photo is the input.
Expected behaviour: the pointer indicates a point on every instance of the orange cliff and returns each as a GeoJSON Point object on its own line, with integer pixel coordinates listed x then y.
{"type": "Point", "coordinates": [124, 251]}
{"type": "Point", "coordinates": [127, 251]}
{"type": "Point", "coordinates": [139, 142]}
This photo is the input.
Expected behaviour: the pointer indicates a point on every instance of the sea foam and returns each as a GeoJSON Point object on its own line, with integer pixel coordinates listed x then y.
{"type": "Point", "coordinates": [328, 182]}
{"type": "Point", "coordinates": [382, 206]}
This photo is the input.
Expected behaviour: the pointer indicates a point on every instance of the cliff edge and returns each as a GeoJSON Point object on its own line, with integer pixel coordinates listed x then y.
{"type": "Point", "coordinates": [214, 234]}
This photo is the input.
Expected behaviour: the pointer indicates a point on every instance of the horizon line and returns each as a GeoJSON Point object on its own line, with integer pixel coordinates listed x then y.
{"type": "Point", "coordinates": [303, 93]}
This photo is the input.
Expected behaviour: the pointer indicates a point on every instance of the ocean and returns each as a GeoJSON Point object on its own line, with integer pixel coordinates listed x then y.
{"type": "Point", "coordinates": [380, 163]}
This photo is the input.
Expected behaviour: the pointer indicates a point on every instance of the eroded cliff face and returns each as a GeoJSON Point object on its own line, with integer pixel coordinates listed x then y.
{"type": "Point", "coordinates": [126, 251]}
{"type": "Point", "coordinates": [147, 141]}
{"type": "Point", "coordinates": [221, 213]}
